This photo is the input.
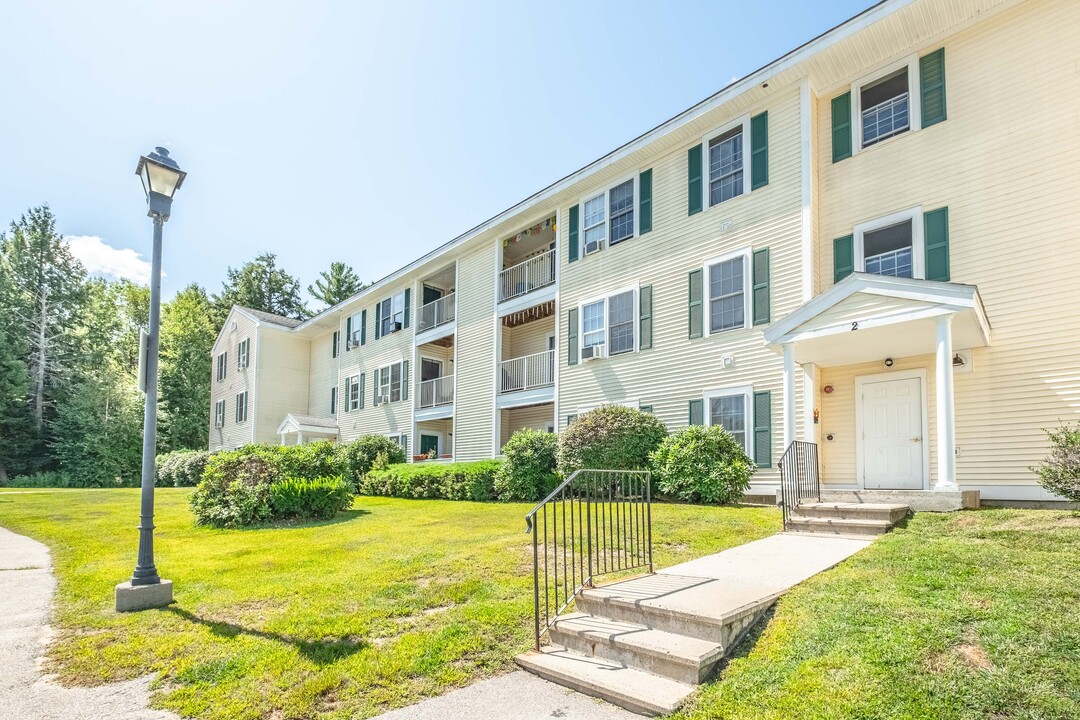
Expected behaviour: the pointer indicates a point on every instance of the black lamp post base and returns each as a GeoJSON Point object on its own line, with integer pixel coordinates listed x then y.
{"type": "Point", "coordinates": [130, 598]}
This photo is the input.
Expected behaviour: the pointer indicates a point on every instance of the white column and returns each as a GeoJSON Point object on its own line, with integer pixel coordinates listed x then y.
{"type": "Point", "coordinates": [809, 433]}
{"type": "Point", "coordinates": [789, 394]}
{"type": "Point", "coordinates": [946, 420]}
{"type": "Point", "coordinates": [299, 438]}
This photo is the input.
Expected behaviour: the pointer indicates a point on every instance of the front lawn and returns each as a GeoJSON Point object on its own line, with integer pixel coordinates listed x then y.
{"type": "Point", "coordinates": [390, 602]}
{"type": "Point", "coordinates": [969, 615]}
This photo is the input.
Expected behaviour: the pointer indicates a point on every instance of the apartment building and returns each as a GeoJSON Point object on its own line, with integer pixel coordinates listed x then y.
{"type": "Point", "coordinates": [868, 244]}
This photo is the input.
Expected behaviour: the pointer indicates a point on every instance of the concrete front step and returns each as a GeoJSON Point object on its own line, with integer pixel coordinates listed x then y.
{"type": "Point", "coordinates": [889, 512]}
{"type": "Point", "coordinates": [678, 657]}
{"type": "Point", "coordinates": [837, 526]}
{"type": "Point", "coordinates": [636, 690]}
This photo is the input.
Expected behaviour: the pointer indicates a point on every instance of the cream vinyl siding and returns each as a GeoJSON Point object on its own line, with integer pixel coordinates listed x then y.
{"type": "Point", "coordinates": [324, 375]}
{"type": "Point", "coordinates": [677, 369]}
{"type": "Point", "coordinates": [283, 381]}
{"type": "Point", "coordinates": [233, 435]}
{"type": "Point", "coordinates": [536, 417]}
{"type": "Point", "coordinates": [1006, 163]}
{"type": "Point", "coordinates": [527, 339]}
{"type": "Point", "coordinates": [474, 390]}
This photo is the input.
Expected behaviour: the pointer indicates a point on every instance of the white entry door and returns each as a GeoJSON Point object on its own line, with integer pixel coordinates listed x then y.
{"type": "Point", "coordinates": [892, 441]}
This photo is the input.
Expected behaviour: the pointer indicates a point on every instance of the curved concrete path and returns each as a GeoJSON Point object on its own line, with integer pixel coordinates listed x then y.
{"type": "Point", "coordinates": [26, 589]}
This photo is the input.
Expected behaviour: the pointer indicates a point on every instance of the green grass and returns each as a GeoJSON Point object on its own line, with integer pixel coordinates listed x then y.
{"type": "Point", "coordinates": [968, 615]}
{"type": "Point", "coordinates": [390, 602]}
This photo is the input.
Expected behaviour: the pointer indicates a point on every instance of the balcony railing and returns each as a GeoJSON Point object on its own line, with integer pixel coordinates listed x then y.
{"type": "Point", "coordinates": [437, 312]}
{"type": "Point", "coordinates": [528, 372]}
{"type": "Point", "coordinates": [526, 276]}
{"type": "Point", "coordinates": [439, 391]}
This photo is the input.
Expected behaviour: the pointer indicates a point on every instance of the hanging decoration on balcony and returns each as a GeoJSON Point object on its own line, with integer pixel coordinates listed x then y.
{"type": "Point", "coordinates": [534, 230]}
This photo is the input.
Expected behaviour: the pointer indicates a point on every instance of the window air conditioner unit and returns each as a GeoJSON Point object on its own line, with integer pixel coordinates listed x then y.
{"type": "Point", "coordinates": [594, 246]}
{"type": "Point", "coordinates": [593, 352]}
{"type": "Point", "coordinates": [354, 341]}
{"type": "Point", "coordinates": [384, 399]}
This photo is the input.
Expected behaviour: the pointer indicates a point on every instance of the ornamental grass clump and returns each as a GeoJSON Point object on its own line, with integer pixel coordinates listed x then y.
{"type": "Point", "coordinates": [611, 437]}
{"type": "Point", "coordinates": [701, 465]}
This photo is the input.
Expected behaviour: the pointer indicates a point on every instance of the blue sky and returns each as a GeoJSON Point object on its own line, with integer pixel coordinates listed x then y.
{"type": "Point", "coordinates": [355, 131]}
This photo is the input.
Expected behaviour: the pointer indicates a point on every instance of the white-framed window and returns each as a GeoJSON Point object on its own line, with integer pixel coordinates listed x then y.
{"type": "Point", "coordinates": [390, 383]}
{"type": "Point", "coordinates": [892, 245]}
{"type": "Point", "coordinates": [886, 103]}
{"type": "Point", "coordinates": [352, 398]}
{"type": "Point", "coordinates": [727, 286]}
{"type": "Point", "coordinates": [732, 409]}
{"type": "Point", "coordinates": [219, 414]}
{"type": "Point", "coordinates": [608, 325]}
{"type": "Point", "coordinates": [242, 407]}
{"type": "Point", "coordinates": [333, 400]}
{"type": "Point", "coordinates": [222, 366]}
{"type": "Point", "coordinates": [726, 171]}
{"type": "Point", "coordinates": [401, 439]}
{"type": "Point", "coordinates": [356, 323]}
{"type": "Point", "coordinates": [609, 217]}
{"type": "Point", "coordinates": [391, 315]}
{"type": "Point", "coordinates": [242, 354]}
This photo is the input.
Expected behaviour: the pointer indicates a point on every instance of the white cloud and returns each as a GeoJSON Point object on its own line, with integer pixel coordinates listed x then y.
{"type": "Point", "coordinates": [102, 259]}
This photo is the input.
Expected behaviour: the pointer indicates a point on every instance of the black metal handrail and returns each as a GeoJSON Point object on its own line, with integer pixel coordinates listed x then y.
{"type": "Point", "coordinates": [595, 523]}
{"type": "Point", "coordinates": [800, 479]}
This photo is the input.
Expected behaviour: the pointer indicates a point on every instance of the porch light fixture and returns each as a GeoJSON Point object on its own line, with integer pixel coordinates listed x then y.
{"type": "Point", "coordinates": [161, 177]}
{"type": "Point", "coordinates": [958, 360]}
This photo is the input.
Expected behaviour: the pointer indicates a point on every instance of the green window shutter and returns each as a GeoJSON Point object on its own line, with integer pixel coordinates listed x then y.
{"type": "Point", "coordinates": [375, 389]}
{"type": "Point", "coordinates": [337, 336]}
{"type": "Point", "coordinates": [404, 379]}
{"type": "Point", "coordinates": [363, 326]}
{"type": "Point", "coordinates": [377, 322]}
{"type": "Point", "coordinates": [759, 151]}
{"type": "Point", "coordinates": [571, 337]}
{"type": "Point", "coordinates": [573, 244]}
{"type": "Point", "coordinates": [694, 186]}
{"type": "Point", "coordinates": [697, 412]}
{"type": "Point", "coordinates": [696, 312]}
{"type": "Point", "coordinates": [936, 237]}
{"type": "Point", "coordinates": [645, 319]}
{"type": "Point", "coordinates": [843, 257]}
{"type": "Point", "coordinates": [841, 127]}
{"type": "Point", "coordinates": [932, 87]}
{"type": "Point", "coordinates": [348, 334]}
{"type": "Point", "coordinates": [408, 298]}
{"type": "Point", "coordinates": [645, 202]}
{"type": "Point", "coordinates": [761, 286]}
{"type": "Point", "coordinates": [763, 428]}
{"type": "Point", "coordinates": [570, 419]}
{"type": "Point", "coordinates": [345, 397]}
{"type": "Point", "coordinates": [361, 392]}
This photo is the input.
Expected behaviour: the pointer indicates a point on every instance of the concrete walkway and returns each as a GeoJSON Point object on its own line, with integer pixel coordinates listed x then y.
{"type": "Point", "coordinates": [26, 590]}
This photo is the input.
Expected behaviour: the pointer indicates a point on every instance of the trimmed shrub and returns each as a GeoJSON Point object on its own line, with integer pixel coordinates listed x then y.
{"type": "Point", "coordinates": [528, 471]}
{"type": "Point", "coordinates": [446, 481]}
{"type": "Point", "coordinates": [180, 468]}
{"type": "Point", "coordinates": [235, 489]}
{"type": "Point", "coordinates": [355, 460]}
{"type": "Point", "coordinates": [611, 437]}
{"type": "Point", "coordinates": [321, 498]}
{"type": "Point", "coordinates": [310, 461]}
{"type": "Point", "coordinates": [701, 465]}
{"type": "Point", "coordinates": [1060, 471]}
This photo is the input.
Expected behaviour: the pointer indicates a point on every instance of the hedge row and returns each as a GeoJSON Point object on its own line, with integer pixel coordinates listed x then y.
{"type": "Point", "coordinates": [446, 481]}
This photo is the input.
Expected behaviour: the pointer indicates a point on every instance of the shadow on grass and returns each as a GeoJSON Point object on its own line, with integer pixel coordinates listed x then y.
{"type": "Point", "coordinates": [320, 652]}
{"type": "Point", "coordinates": [342, 517]}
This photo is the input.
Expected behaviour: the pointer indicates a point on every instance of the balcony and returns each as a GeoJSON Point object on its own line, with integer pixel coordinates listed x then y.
{"type": "Point", "coordinates": [528, 372]}
{"type": "Point", "coordinates": [528, 275]}
{"type": "Point", "coordinates": [437, 312]}
{"type": "Point", "coordinates": [437, 392]}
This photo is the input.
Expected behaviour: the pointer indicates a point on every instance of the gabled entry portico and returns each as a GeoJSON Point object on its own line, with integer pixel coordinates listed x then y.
{"type": "Point", "coordinates": [844, 333]}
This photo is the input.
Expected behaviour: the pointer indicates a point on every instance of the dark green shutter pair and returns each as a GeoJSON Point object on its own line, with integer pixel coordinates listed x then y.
{"type": "Point", "coordinates": [645, 193]}
{"type": "Point", "coordinates": [935, 237]}
{"type": "Point", "coordinates": [932, 99]}
{"type": "Point", "coordinates": [762, 437]}
{"type": "Point", "coordinates": [760, 289]}
{"type": "Point", "coordinates": [759, 164]}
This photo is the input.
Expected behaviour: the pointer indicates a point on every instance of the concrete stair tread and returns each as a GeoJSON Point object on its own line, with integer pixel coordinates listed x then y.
{"type": "Point", "coordinates": [681, 649]}
{"type": "Point", "coordinates": [851, 522]}
{"type": "Point", "coordinates": [702, 599]}
{"type": "Point", "coordinates": [635, 690]}
{"type": "Point", "coordinates": [853, 506]}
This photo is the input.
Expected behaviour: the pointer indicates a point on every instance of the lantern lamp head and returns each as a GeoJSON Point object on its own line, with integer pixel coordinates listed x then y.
{"type": "Point", "coordinates": [161, 178]}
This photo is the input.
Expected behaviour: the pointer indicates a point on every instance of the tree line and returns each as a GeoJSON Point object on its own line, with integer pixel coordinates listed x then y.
{"type": "Point", "coordinates": [69, 354]}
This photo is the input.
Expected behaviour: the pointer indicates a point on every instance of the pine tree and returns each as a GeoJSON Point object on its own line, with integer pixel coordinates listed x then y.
{"type": "Point", "coordinates": [260, 284]}
{"type": "Point", "coordinates": [15, 418]}
{"type": "Point", "coordinates": [336, 285]}
{"type": "Point", "coordinates": [187, 337]}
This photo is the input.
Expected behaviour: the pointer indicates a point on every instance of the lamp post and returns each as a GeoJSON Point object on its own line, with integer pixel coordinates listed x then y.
{"type": "Point", "coordinates": [161, 178]}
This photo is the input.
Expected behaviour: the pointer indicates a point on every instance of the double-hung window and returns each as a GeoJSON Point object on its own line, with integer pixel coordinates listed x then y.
{"type": "Point", "coordinates": [609, 217]}
{"type": "Point", "coordinates": [728, 278]}
{"type": "Point", "coordinates": [219, 414]}
{"type": "Point", "coordinates": [222, 366]}
{"type": "Point", "coordinates": [885, 107]}
{"type": "Point", "coordinates": [726, 166]}
{"type": "Point", "coordinates": [242, 407]}
{"type": "Point", "coordinates": [357, 326]}
{"type": "Point", "coordinates": [242, 354]}
{"type": "Point", "coordinates": [390, 383]}
{"type": "Point", "coordinates": [399, 438]}
{"type": "Point", "coordinates": [891, 245]}
{"type": "Point", "coordinates": [392, 315]}
{"type": "Point", "coordinates": [730, 409]}
{"type": "Point", "coordinates": [352, 399]}
{"type": "Point", "coordinates": [610, 323]}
